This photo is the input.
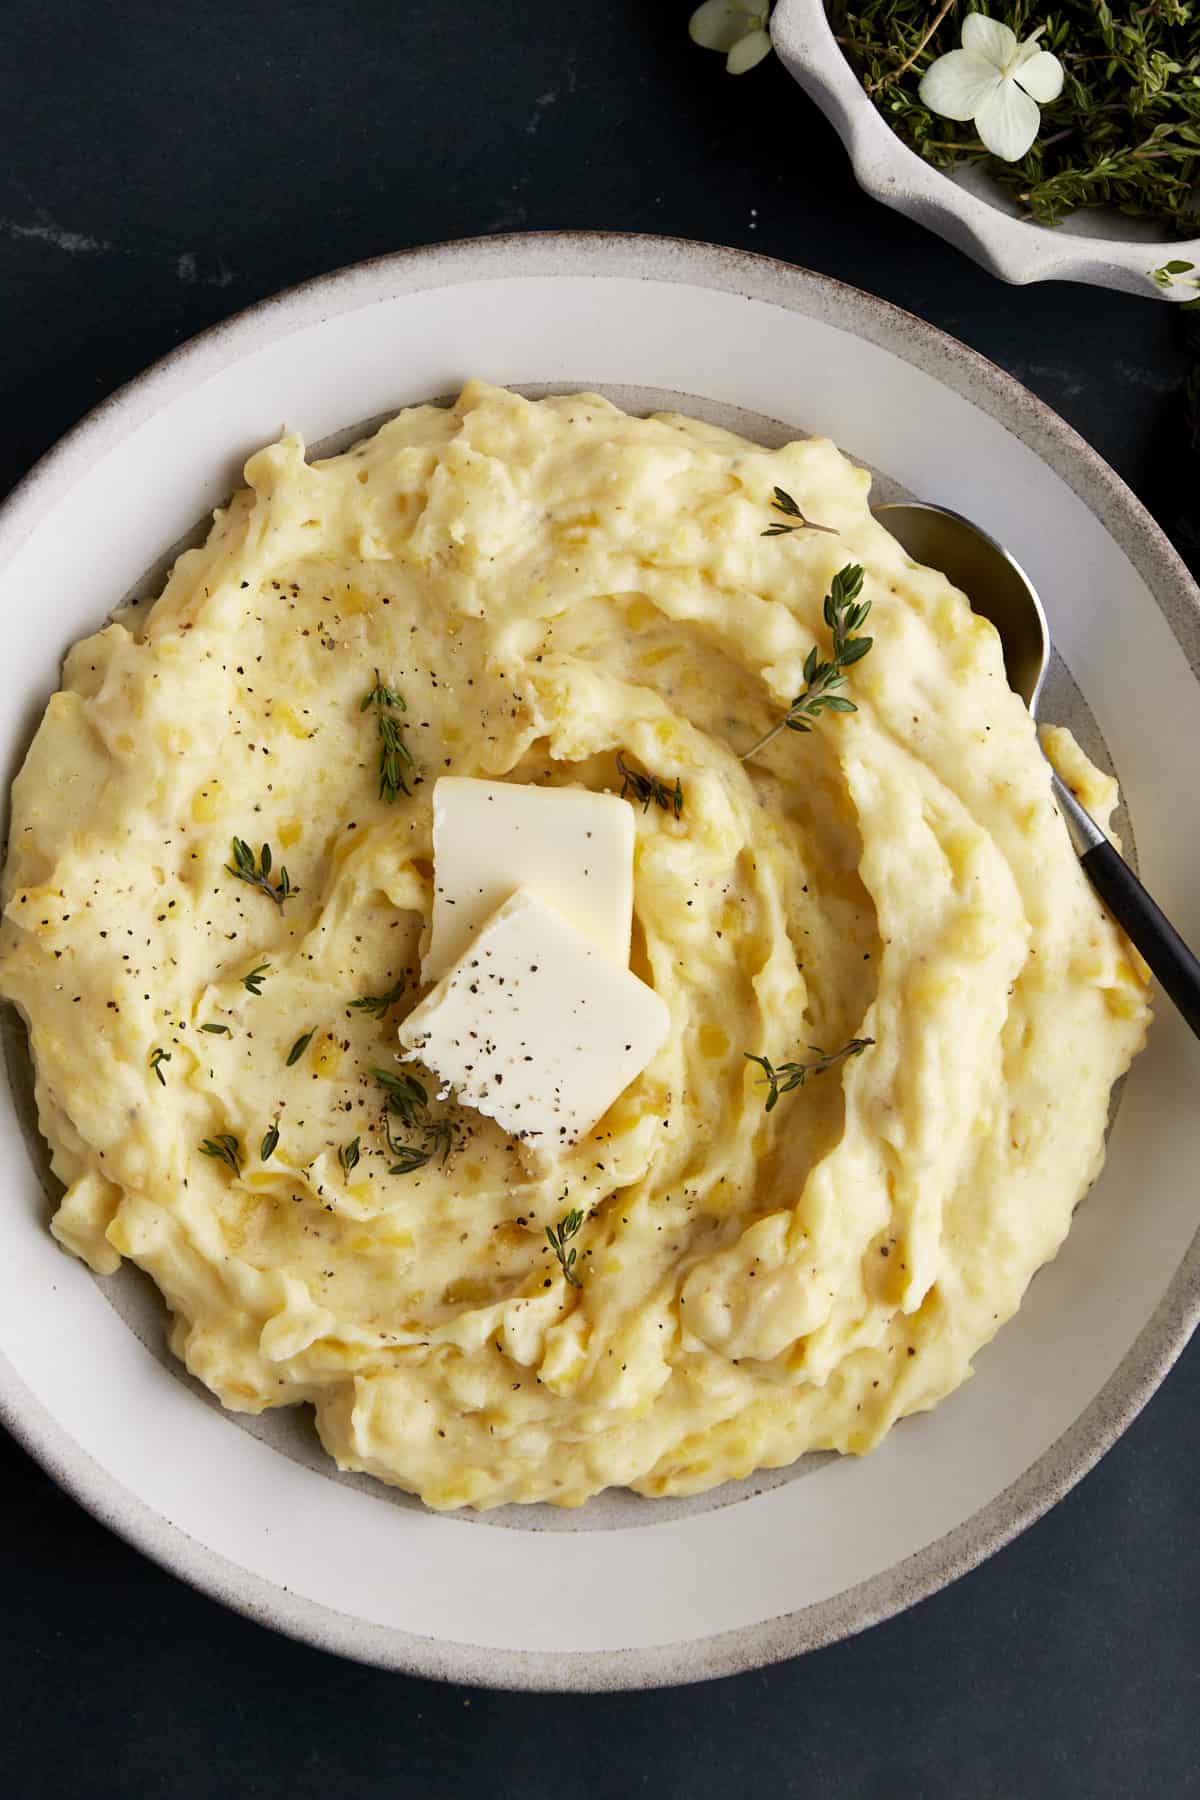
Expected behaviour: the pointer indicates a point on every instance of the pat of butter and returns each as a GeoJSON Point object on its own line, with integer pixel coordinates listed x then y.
{"type": "Point", "coordinates": [572, 847]}
{"type": "Point", "coordinates": [536, 1027]}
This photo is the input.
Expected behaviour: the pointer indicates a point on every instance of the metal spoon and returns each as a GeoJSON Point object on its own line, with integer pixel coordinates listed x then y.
{"type": "Point", "coordinates": [999, 589]}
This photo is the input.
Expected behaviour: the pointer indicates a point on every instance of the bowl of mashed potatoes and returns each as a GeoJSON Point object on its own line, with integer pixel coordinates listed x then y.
{"type": "Point", "coordinates": [607, 1113]}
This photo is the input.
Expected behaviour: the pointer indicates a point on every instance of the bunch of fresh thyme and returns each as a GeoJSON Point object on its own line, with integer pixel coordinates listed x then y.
{"type": "Point", "coordinates": [1124, 132]}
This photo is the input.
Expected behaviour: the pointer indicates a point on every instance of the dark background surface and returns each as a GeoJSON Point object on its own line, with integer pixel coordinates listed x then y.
{"type": "Point", "coordinates": [167, 166]}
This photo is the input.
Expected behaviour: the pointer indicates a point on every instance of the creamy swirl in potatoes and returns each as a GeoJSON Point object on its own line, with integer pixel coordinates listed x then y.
{"type": "Point", "coordinates": [545, 586]}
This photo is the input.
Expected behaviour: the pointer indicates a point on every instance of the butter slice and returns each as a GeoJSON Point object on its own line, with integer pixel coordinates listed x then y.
{"type": "Point", "coordinates": [536, 1027]}
{"type": "Point", "coordinates": [572, 847]}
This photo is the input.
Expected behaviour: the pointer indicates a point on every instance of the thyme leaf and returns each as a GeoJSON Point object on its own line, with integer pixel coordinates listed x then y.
{"type": "Point", "coordinates": [266, 1149]}
{"type": "Point", "coordinates": [158, 1057]}
{"type": "Point", "coordinates": [254, 980]}
{"type": "Point", "coordinates": [300, 1046]}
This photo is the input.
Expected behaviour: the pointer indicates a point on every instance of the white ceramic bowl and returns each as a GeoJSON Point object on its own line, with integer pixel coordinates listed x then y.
{"type": "Point", "coordinates": [624, 1592]}
{"type": "Point", "coordinates": [1101, 247]}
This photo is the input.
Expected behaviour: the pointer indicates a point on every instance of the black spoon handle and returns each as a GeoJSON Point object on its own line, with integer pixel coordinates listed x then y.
{"type": "Point", "coordinates": [1146, 925]}
{"type": "Point", "coordinates": [1138, 915]}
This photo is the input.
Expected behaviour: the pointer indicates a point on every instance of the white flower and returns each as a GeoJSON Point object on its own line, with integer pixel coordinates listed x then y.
{"type": "Point", "coordinates": [997, 82]}
{"type": "Point", "coordinates": [737, 28]}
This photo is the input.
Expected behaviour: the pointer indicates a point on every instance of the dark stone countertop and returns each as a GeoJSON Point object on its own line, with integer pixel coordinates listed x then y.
{"type": "Point", "coordinates": [168, 165]}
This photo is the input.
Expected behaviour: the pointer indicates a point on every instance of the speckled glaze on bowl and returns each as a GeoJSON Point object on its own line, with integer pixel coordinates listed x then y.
{"type": "Point", "coordinates": [625, 1592]}
{"type": "Point", "coordinates": [1097, 246]}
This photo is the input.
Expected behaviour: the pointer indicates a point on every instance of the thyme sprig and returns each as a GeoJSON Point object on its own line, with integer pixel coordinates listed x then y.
{"type": "Point", "coordinates": [558, 1238]}
{"type": "Point", "coordinates": [782, 1078]}
{"type": "Point", "coordinates": [225, 1148]}
{"type": "Point", "coordinates": [1176, 273]}
{"type": "Point", "coordinates": [348, 1155]}
{"type": "Point", "coordinates": [258, 873]}
{"type": "Point", "coordinates": [377, 1005]}
{"type": "Point", "coordinates": [784, 503]}
{"type": "Point", "coordinates": [408, 1100]}
{"type": "Point", "coordinates": [403, 1095]}
{"type": "Point", "coordinates": [254, 980]}
{"type": "Point", "coordinates": [395, 758]}
{"type": "Point", "coordinates": [844, 613]}
{"type": "Point", "coordinates": [158, 1056]}
{"type": "Point", "coordinates": [648, 789]}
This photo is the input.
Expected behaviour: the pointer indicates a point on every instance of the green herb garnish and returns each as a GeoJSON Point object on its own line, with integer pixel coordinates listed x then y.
{"type": "Point", "coordinates": [378, 1004]}
{"type": "Point", "coordinates": [395, 757]}
{"type": "Point", "coordinates": [157, 1058]}
{"type": "Point", "coordinates": [254, 980]}
{"type": "Point", "coordinates": [436, 1135]}
{"type": "Point", "coordinates": [408, 1100]}
{"type": "Point", "coordinates": [218, 1030]}
{"type": "Point", "coordinates": [1124, 132]}
{"type": "Point", "coordinates": [791, 1075]}
{"type": "Point", "coordinates": [558, 1237]}
{"type": "Point", "coordinates": [408, 1157]}
{"type": "Point", "coordinates": [266, 1149]}
{"type": "Point", "coordinates": [348, 1156]}
{"type": "Point", "coordinates": [225, 1148]}
{"type": "Point", "coordinates": [649, 789]}
{"type": "Point", "coordinates": [844, 613]}
{"type": "Point", "coordinates": [784, 503]}
{"type": "Point", "coordinates": [300, 1046]}
{"type": "Point", "coordinates": [1175, 273]}
{"type": "Point", "coordinates": [404, 1095]}
{"type": "Point", "coordinates": [258, 874]}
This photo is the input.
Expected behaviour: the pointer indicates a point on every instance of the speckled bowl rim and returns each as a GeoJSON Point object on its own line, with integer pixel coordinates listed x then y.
{"type": "Point", "coordinates": [1162, 1338]}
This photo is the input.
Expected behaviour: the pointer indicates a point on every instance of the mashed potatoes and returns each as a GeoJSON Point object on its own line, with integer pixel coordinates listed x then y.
{"type": "Point", "coordinates": [546, 585]}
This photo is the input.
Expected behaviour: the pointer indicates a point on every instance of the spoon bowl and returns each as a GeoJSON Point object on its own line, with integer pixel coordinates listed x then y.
{"type": "Point", "coordinates": [992, 579]}
{"type": "Point", "coordinates": [999, 589]}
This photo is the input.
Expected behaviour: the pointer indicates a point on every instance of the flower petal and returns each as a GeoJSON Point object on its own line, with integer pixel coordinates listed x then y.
{"type": "Point", "coordinates": [718, 24]}
{"type": "Point", "coordinates": [958, 84]}
{"type": "Point", "coordinates": [989, 39]}
{"type": "Point", "coordinates": [1008, 122]}
{"type": "Point", "coordinates": [748, 52]}
{"type": "Point", "coordinates": [1041, 75]}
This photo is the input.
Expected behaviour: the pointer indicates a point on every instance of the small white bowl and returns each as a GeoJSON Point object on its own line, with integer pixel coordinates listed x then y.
{"type": "Point", "coordinates": [1102, 247]}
